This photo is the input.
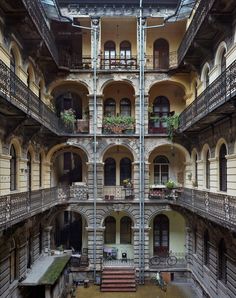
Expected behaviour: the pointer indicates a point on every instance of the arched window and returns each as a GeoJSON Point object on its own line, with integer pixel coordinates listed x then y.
{"type": "Point", "coordinates": [222, 262]}
{"type": "Point", "coordinates": [195, 170]}
{"type": "Point", "coordinates": [110, 107]}
{"type": "Point", "coordinates": [223, 62]}
{"type": "Point", "coordinates": [161, 108]}
{"type": "Point", "coordinates": [40, 170]}
{"type": "Point", "coordinates": [13, 62]}
{"type": "Point", "coordinates": [207, 170]}
{"type": "Point", "coordinates": [125, 107]}
{"type": "Point", "coordinates": [207, 79]}
{"type": "Point", "coordinates": [125, 50]}
{"type": "Point", "coordinates": [125, 169]}
{"type": "Point", "coordinates": [206, 248]}
{"type": "Point", "coordinates": [110, 172]}
{"type": "Point", "coordinates": [223, 168]}
{"type": "Point", "coordinates": [161, 170]}
{"type": "Point", "coordinates": [110, 230]}
{"type": "Point", "coordinates": [161, 54]}
{"type": "Point", "coordinates": [161, 235]}
{"type": "Point", "coordinates": [29, 171]}
{"type": "Point", "coordinates": [125, 230]}
{"type": "Point", "coordinates": [109, 53]}
{"type": "Point", "coordinates": [69, 100]}
{"type": "Point", "coordinates": [195, 241]}
{"type": "Point", "coordinates": [13, 168]}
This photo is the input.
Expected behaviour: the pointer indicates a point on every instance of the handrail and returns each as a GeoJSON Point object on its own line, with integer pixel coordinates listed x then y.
{"type": "Point", "coordinates": [20, 95]}
{"type": "Point", "coordinates": [216, 206]}
{"type": "Point", "coordinates": [202, 10]}
{"type": "Point", "coordinates": [36, 12]}
{"type": "Point", "coordinates": [221, 90]}
{"type": "Point", "coordinates": [15, 207]}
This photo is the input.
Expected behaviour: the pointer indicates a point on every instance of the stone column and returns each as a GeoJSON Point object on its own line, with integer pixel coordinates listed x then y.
{"type": "Point", "coordinates": [146, 180]}
{"type": "Point", "coordinates": [136, 179]}
{"type": "Point", "coordinates": [137, 128]}
{"type": "Point", "coordinates": [99, 113]}
{"type": "Point", "coordinates": [95, 23]}
{"type": "Point", "coordinates": [146, 120]}
{"type": "Point", "coordinates": [100, 182]}
{"type": "Point", "coordinates": [90, 180]}
{"type": "Point", "coordinates": [98, 244]}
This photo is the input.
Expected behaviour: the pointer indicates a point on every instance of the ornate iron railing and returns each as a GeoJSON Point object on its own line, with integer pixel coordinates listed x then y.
{"type": "Point", "coordinates": [16, 207]}
{"type": "Point", "coordinates": [217, 206]}
{"type": "Point", "coordinates": [111, 193]}
{"type": "Point", "coordinates": [74, 61]}
{"type": "Point", "coordinates": [36, 12]}
{"type": "Point", "coordinates": [172, 260]}
{"type": "Point", "coordinates": [222, 90]}
{"type": "Point", "coordinates": [202, 11]}
{"type": "Point", "coordinates": [17, 93]}
{"type": "Point", "coordinates": [120, 63]}
{"type": "Point", "coordinates": [153, 63]}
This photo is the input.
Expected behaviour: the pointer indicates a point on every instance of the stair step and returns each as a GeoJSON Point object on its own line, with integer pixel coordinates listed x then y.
{"type": "Point", "coordinates": [117, 272]}
{"type": "Point", "coordinates": [123, 276]}
{"type": "Point", "coordinates": [116, 281]}
{"type": "Point", "coordinates": [114, 285]}
{"type": "Point", "coordinates": [118, 290]}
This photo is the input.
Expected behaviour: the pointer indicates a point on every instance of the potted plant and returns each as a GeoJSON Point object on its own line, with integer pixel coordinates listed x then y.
{"type": "Point", "coordinates": [118, 124]}
{"type": "Point", "coordinates": [127, 182]}
{"type": "Point", "coordinates": [170, 185]}
{"type": "Point", "coordinates": [68, 118]}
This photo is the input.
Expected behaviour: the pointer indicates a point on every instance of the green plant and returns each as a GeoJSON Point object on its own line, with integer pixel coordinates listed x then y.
{"type": "Point", "coordinates": [117, 124]}
{"type": "Point", "coordinates": [68, 117]}
{"type": "Point", "coordinates": [127, 182]}
{"type": "Point", "coordinates": [172, 123]}
{"type": "Point", "coordinates": [170, 184]}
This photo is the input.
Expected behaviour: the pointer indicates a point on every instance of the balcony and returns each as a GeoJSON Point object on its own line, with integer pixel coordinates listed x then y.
{"type": "Point", "coordinates": [118, 193]}
{"type": "Point", "coordinates": [218, 207]}
{"type": "Point", "coordinates": [14, 91]}
{"type": "Point", "coordinates": [19, 206]}
{"type": "Point", "coordinates": [202, 11]}
{"type": "Point", "coordinates": [213, 104]}
{"type": "Point", "coordinates": [119, 63]}
{"type": "Point", "coordinates": [74, 61]}
{"type": "Point", "coordinates": [38, 17]}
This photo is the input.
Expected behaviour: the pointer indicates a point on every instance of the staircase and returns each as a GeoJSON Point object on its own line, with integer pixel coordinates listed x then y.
{"type": "Point", "coordinates": [118, 279]}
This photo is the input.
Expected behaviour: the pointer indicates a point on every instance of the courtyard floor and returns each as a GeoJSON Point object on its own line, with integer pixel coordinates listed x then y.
{"type": "Point", "coordinates": [174, 290]}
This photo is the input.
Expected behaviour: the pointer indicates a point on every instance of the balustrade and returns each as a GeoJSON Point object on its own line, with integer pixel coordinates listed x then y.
{"type": "Point", "coordinates": [118, 193]}
{"type": "Point", "coordinates": [222, 90]}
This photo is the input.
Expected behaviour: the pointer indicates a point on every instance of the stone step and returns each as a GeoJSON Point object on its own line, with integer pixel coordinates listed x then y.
{"type": "Point", "coordinates": [118, 290]}
{"type": "Point", "coordinates": [116, 281]}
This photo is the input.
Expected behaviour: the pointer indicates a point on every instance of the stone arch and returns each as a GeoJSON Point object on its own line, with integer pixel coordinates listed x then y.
{"type": "Point", "coordinates": [172, 81]}
{"type": "Point", "coordinates": [31, 73]}
{"type": "Point", "coordinates": [205, 148]}
{"type": "Point", "coordinates": [17, 54]}
{"type": "Point", "coordinates": [194, 152]}
{"type": "Point", "coordinates": [31, 150]}
{"type": "Point", "coordinates": [221, 47]}
{"type": "Point", "coordinates": [118, 80]}
{"type": "Point", "coordinates": [220, 142]}
{"type": "Point", "coordinates": [206, 67]}
{"type": "Point", "coordinates": [14, 141]}
{"type": "Point", "coordinates": [62, 82]}
{"type": "Point", "coordinates": [63, 147]}
{"type": "Point", "coordinates": [167, 143]}
{"type": "Point", "coordinates": [154, 213]}
{"type": "Point", "coordinates": [49, 218]}
{"type": "Point", "coordinates": [127, 144]}
{"type": "Point", "coordinates": [110, 209]}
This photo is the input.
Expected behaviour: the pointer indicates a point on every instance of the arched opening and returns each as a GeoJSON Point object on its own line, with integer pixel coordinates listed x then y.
{"type": "Point", "coordinates": [13, 168]}
{"type": "Point", "coordinates": [161, 54]}
{"type": "Point", "coordinates": [69, 101]}
{"type": "Point", "coordinates": [109, 107]}
{"type": "Point", "coordinates": [223, 168]}
{"type": "Point", "coordinates": [223, 61]}
{"type": "Point", "coordinates": [207, 169]}
{"type": "Point", "coordinates": [110, 172]}
{"type": "Point", "coordinates": [29, 171]}
{"type": "Point", "coordinates": [161, 170]}
{"type": "Point", "coordinates": [161, 235]}
{"type": "Point", "coordinates": [125, 170]}
{"type": "Point", "coordinates": [161, 109]}
{"type": "Point", "coordinates": [110, 230]}
{"type": "Point", "coordinates": [125, 50]}
{"type": "Point", "coordinates": [206, 248]}
{"type": "Point", "coordinates": [125, 107]}
{"type": "Point", "coordinates": [222, 261]}
{"type": "Point", "coordinates": [125, 230]}
{"type": "Point", "coordinates": [109, 54]}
